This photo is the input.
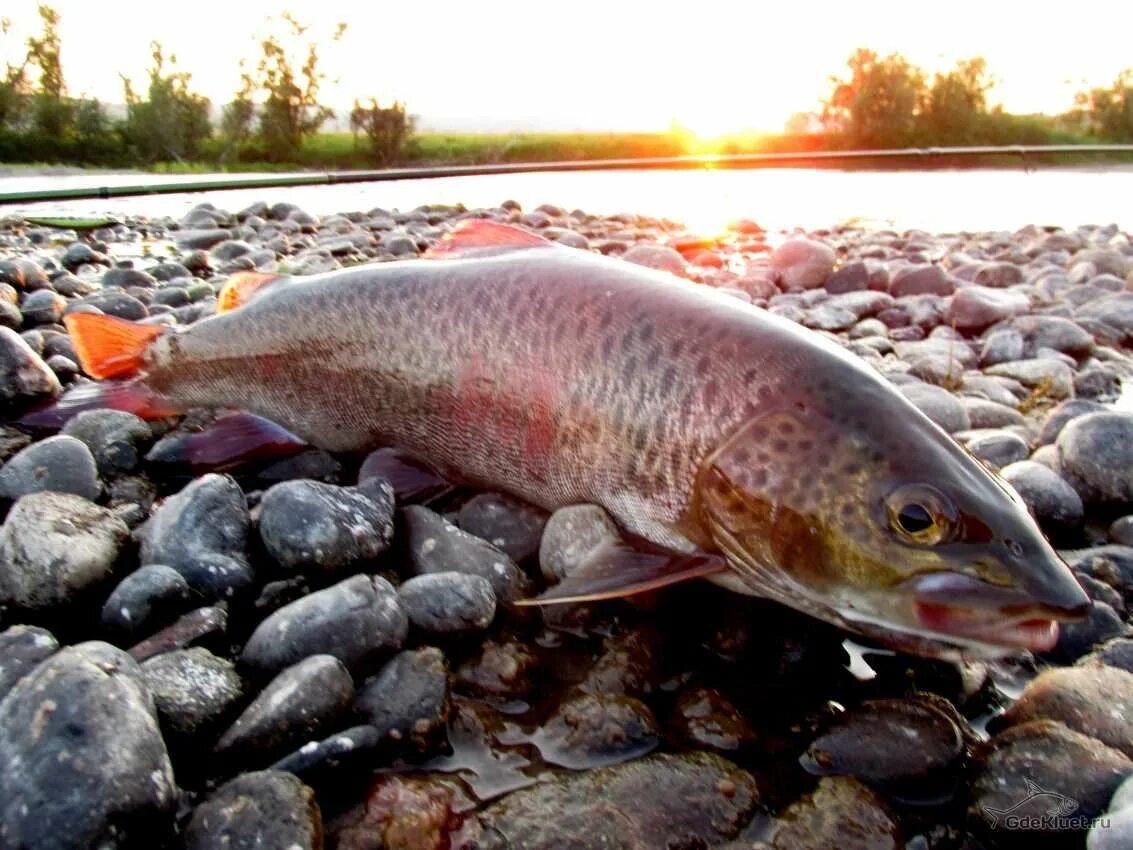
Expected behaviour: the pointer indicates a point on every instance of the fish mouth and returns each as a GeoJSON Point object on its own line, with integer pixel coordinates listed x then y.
{"type": "Point", "coordinates": [964, 607]}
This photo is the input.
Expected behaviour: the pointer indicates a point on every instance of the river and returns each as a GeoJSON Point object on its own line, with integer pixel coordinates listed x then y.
{"type": "Point", "coordinates": [705, 200]}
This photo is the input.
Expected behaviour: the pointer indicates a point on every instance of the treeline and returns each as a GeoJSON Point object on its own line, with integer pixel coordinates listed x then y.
{"type": "Point", "coordinates": [887, 102]}
{"type": "Point", "coordinates": [273, 113]}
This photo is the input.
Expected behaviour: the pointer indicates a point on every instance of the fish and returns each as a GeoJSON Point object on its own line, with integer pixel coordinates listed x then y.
{"type": "Point", "coordinates": [730, 443]}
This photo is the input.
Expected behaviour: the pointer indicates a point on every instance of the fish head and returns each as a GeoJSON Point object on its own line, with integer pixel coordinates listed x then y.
{"type": "Point", "coordinates": [874, 519]}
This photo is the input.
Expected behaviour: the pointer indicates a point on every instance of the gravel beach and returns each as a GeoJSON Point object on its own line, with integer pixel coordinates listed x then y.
{"type": "Point", "coordinates": [322, 650]}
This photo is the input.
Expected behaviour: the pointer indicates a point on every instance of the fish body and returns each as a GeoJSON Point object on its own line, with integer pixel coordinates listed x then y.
{"type": "Point", "coordinates": [700, 423]}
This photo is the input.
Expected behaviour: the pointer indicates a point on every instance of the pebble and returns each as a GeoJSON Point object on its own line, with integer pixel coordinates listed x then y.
{"type": "Point", "coordinates": [1078, 637]}
{"type": "Point", "coordinates": [407, 702]}
{"type": "Point", "coordinates": [841, 812]}
{"type": "Point", "coordinates": [148, 598]}
{"type": "Point", "coordinates": [21, 649]}
{"type": "Point", "coordinates": [1052, 501]}
{"type": "Point", "coordinates": [851, 277]}
{"type": "Point", "coordinates": [939, 405]}
{"type": "Point", "coordinates": [56, 547]}
{"type": "Point", "coordinates": [1121, 530]}
{"type": "Point", "coordinates": [309, 524]}
{"type": "Point", "coordinates": [703, 718]}
{"type": "Point", "coordinates": [263, 809]}
{"type": "Point", "coordinates": [192, 690]}
{"type": "Point", "coordinates": [1051, 378]}
{"type": "Point", "coordinates": [84, 707]}
{"type": "Point", "coordinates": [1001, 346]}
{"type": "Point", "coordinates": [59, 464]}
{"type": "Point", "coordinates": [303, 703]}
{"type": "Point", "coordinates": [357, 621]}
{"type": "Point", "coordinates": [437, 546]}
{"type": "Point", "coordinates": [927, 279]}
{"type": "Point", "coordinates": [595, 730]}
{"type": "Point", "coordinates": [446, 603]}
{"type": "Point", "coordinates": [114, 437]}
{"type": "Point", "coordinates": [512, 526]}
{"type": "Point", "coordinates": [1095, 455]}
{"type": "Point", "coordinates": [998, 448]}
{"type": "Point", "coordinates": [803, 263]}
{"type": "Point", "coordinates": [571, 535]}
{"type": "Point", "coordinates": [24, 377]}
{"type": "Point", "coordinates": [990, 414]}
{"type": "Point", "coordinates": [42, 307]}
{"type": "Point", "coordinates": [1062, 414]}
{"type": "Point", "coordinates": [501, 671]}
{"type": "Point", "coordinates": [657, 257]}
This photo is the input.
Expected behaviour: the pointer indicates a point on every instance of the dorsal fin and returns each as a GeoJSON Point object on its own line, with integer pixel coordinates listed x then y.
{"type": "Point", "coordinates": [242, 287]}
{"type": "Point", "coordinates": [475, 234]}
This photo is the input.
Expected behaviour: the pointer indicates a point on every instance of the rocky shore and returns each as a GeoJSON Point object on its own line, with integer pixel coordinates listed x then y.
{"type": "Point", "coordinates": [321, 650]}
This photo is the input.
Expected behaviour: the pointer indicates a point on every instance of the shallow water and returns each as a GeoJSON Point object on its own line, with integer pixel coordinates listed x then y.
{"type": "Point", "coordinates": [705, 200]}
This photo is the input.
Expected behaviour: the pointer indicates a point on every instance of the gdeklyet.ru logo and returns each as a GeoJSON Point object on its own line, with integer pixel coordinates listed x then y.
{"type": "Point", "coordinates": [1042, 811]}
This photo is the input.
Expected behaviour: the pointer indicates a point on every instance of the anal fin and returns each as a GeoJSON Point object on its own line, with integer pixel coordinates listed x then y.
{"type": "Point", "coordinates": [229, 441]}
{"type": "Point", "coordinates": [616, 569]}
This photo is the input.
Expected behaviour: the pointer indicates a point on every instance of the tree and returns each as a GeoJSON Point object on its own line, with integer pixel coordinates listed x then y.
{"type": "Point", "coordinates": [954, 110]}
{"type": "Point", "coordinates": [52, 113]}
{"type": "Point", "coordinates": [291, 110]}
{"type": "Point", "coordinates": [14, 88]}
{"type": "Point", "coordinates": [171, 121]}
{"type": "Point", "coordinates": [1107, 113]}
{"type": "Point", "coordinates": [237, 116]}
{"type": "Point", "coordinates": [385, 128]}
{"type": "Point", "coordinates": [877, 105]}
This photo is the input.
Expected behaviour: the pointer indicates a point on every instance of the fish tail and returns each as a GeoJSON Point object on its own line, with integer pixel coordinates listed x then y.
{"type": "Point", "coordinates": [131, 396]}
{"type": "Point", "coordinates": [109, 347]}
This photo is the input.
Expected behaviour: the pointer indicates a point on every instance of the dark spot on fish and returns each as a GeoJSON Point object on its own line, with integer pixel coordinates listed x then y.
{"type": "Point", "coordinates": [645, 333]}
{"type": "Point", "coordinates": [704, 366]}
{"type": "Point", "coordinates": [606, 320]}
{"type": "Point", "coordinates": [758, 433]}
{"type": "Point", "coordinates": [607, 346]}
{"type": "Point", "coordinates": [629, 370]}
{"type": "Point", "coordinates": [786, 428]}
{"type": "Point", "coordinates": [583, 326]}
{"type": "Point", "coordinates": [710, 390]}
{"type": "Point", "coordinates": [639, 440]}
{"type": "Point", "coordinates": [627, 343]}
{"type": "Point", "coordinates": [668, 378]}
{"type": "Point", "coordinates": [653, 357]}
{"type": "Point", "coordinates": [759, 478]}
{"type": "Point", "coordinates": [678, 348]}
{"type": "Point", "coordinates": [800, 406]}
{"type": "Point", "coordinates": [764, 393]}
{"type": "Point", "coordinates": [750, 377]}
{"type": "Point", "coordinates": [851, 469]}
{"type": "Point", "coordinates": [848, 510]}
{"type": "Point", "coordinates": [780, 446]}
{"type": "Point", "coordinates": [742, 456]}
{"type": "Point", "coordinates": [806, 445]}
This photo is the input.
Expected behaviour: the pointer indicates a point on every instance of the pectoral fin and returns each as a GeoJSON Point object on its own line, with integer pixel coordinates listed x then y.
{"type": "Point", "coordinates": [616, 569]}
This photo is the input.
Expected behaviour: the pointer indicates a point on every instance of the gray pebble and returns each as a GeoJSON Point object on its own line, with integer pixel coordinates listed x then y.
{"type": "Point", "coordinates": [21, 649]}
{"type": "Point", "coordinates": [150, 597]}
{"type": "Point", "coordinates": [265, 809]}
{"type": "Point", "coordinates": [443, 603]}
{"type": "Point", "coordinates": [58, 464]}
{"type": "Point", "coordinates": [803, 263]}
{"type": "Point", "coordinates": [113, 437]}
{"type": "Point", "coordinates": [192, 690]}
{"type": "Point", "coordinates": [23, 374]}
{"type": "Point", "coordinates": [1052, 501]}
{"type": "Point", "coordinates": [571, 536]}
{"type": "Point", "coordinates": [510, 525]}
{"type": "Point", "coordinates": [1096, 456]}
{"type": "Point", "coordinates": [408, 701]}
{"type": "Point", "coordinates": [939, 405]}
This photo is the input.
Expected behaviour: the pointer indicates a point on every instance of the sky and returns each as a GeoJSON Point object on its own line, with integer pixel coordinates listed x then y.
{"type": "Point", "coordinates": [710, 66]}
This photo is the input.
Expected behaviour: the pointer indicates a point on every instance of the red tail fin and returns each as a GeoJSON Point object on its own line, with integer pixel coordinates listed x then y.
{"type": "Point", "coordinates": [109, 347]}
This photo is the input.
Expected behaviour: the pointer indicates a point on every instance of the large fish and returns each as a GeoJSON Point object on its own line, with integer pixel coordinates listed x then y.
{"type": "Point", "coordinates": [754, 451]}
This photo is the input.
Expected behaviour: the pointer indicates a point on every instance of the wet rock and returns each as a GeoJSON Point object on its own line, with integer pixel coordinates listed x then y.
{"type": "Point", "coordinates": [308, 524]}
{"type": "Point", "coordinates": [1115, 830]}
{"type": "Point", "coordinates": [803, 263]}
{"type": "Point", "coordinates": [1101, 382]}
{"type": "Point", "coordinates": [990, 414]}
{"type": "Point", "coordinates": [512, 526]}
{"type": "Point", "coordinates": [703, 718]}
{"type": "Point", "coordinates": [113, 302]}
{"type": "Point", "coordinates": [84, 707]}
{"type": "Point", "coordinates": [657, 257]}
{"type": "Point", "coordinates": [630, 664]}
{"type": "Point", "coordinates": [150, 597]}
{"type": "Point", "coordinates": [1095, 454]}
{"type": "Point", "coordinates": [80, 254]}
{"type": "Point", "coordinates": [1117, 652]}
{"type": "Point", "coordinates": [1077, 638]}
{"type": "Point", "coordinates": [201, 239]}
{"type": "Point", "coordinates": [939, 405]}
{"type": "Point", "coordinates": [595, 730]}
{"type": "Point", "coordinates": [42, 307]}
{"type": "Point", "coordinates": [54, 547]}
{"type": "Point", "coordinates": [571, 536]}
{"type": "Point", "coordinates": [927, 279]}
{"type": "Point", "coordinates": [860, 743]}
{"type": "Point", "coordinates": [1055, 333]}
{"type": "Point", "coordinates": [852, 277]}
{"type": "Point", "coordinates": [501, 671]}
{"type": "Point", "coordinates": [192, 690]}
{"type": "Point", "coordinates": [356, 621]}
{"type": "Point", "coordinates": [207, 518]}
{"type": "Point", "coordinates": [21, 649]}
{"type": "Point", "coordinates": [324, 762]}
{"type": "Point", "coordinates": [974, 308]}
{"type": "Point", "coordinates": [1052, 501]}
{"type": "Point", "coordinates": [58, 464]}
{"type": "Point", "coordinates": [437, 546]}
{"type": "Point", "coordinates": [1094, 700]}
{"type": "Point", "coordinates": [1121, 530]}
{"type": "Point", "coordinates": [1062, 414]}
{"type": "Point", "coordinates": [999, 448]}
{"type": "Point", "coordinates": [1051, 378]}
{"type": "Point", "coordinates": [1067, 766]}
{"type": "Point", "coordinates": [841, 812]}
{"type": "Point", "coordinates": [124, 278]}
{"type": "Point", "coordinates": [444, 603]}
{"type": "Point", "coordinates": [113, 437]}
{"type": "Point", "coordinates": [1001, 346]}
{"type": "Point", "coordinates": [203, 626]}
{"type": "Point", "coordinates": [629, 805]}
{"type": "Point", "coordinates": [408, 701]}
{"type": "Point", "coordinates": [304, 702]}
{"type": "Point", "coordinates": [401, 811]}
{"type": "Point", "coordinates": [262, 809]}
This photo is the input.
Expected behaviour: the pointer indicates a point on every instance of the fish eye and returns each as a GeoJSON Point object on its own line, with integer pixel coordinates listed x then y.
{"type": "Point", "coordinates": [921, 514]}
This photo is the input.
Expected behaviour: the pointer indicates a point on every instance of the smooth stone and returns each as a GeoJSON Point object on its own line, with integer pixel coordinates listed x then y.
{"type": "Point", "coordinates": [1054, 332]}
{"type": "Point", "coordinates": [357, 620]}
{"type": "Point", "coordinates": [42, 307]}
{"type": "Point", "coordinates": [21, 650]}
{"type": "Point", "coordinates": [983, 413]}
{"type": "Point", "coordinates": [54, 547]}
{"type": "Point", "coordinates": [113, 302]}
{"type": "Point", "coordinates": [852, 277]}
{"type": "Point", "coordinates": [303, 703]}
{"type": "Point", "coordinates": [1121, 530]}
{"type": "Point", "coordinates": [658, 257]}
{"type": "Point", "coordinates": [803, 263]}
{"type": "Point", "coordinates": [407, 812]}
{"type": "Point", "coordinates": [939, 405]}
{"type": "Point", "coordinates": [501, 671]}
{"type": "Point", "coordinates": [437, 546]}
{"type": "Point", "coordinates": [1078, 637]}
{"type": "Point", "coordinates": [974, 308]}
{"type": "Point", "coordinates": [841, 812]}
{"type": "Point", "coordinates": [1101, 382]}
{"type": "Point", "coordinates": [407, 702]}
{"type": "Point", "coordinates": [114, 438]}
{"type": "Point", "coordinates": [1094, 700]}
{"type": "Point", "coordinates": [264, 809]}
{"type": "Point", "coordinates": [1002, 346]}
{"type": "Point", "coordinates": [1050, 499]}
{"type": "Point", "coordinates": [628, 805]}
{"type": "Point", "coordinates": [446, 603]}
{"type": "Point", "coordinates": [920, 279]}
{"type": "Point", "coordinates": [1062, 414]}
{"type": "Point", "coordinates": [595, 730]}
{"type": "Point", "coordinates": [202, 239]}
{"type": "Point", "coordinates": [85, 707]}
{"type": "Point", "coordinates": [1052, 378]}
{"type": "Point", "coordinates": [192, 690]}
{"type": "Point", "coordinates": [309, 524]}
{"type": "Point", "coordinates": [704, 719]}
{"type": "Point", "coordinates": [59, 464]}
{"type": "Point", "coordinates": [1096, 457]}
{"type": "Point", "coordinates": [512, 526]}
{"type": "Point", "coordinates": [998, 448]}
{"type": "Point", "coordinates": [571, 535]}
{"type": "Point", "coordinates": [126, 277]}
{"type": "Point", "coordinates": [150, 597]}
